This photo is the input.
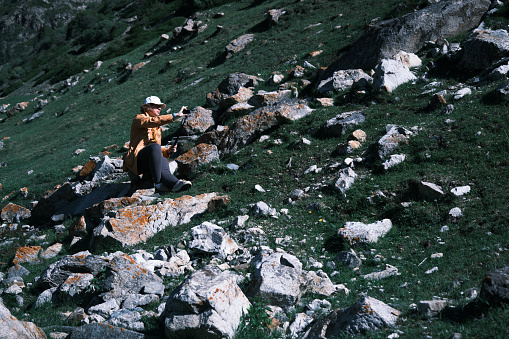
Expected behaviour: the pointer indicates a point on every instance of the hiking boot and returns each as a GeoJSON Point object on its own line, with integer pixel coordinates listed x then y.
{"type": "Point", "coordinates": [161, 188]}
{"type": "Point", "coordinates": [181, 185]}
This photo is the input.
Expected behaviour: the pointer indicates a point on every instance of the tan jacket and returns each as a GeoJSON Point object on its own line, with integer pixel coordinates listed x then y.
{"type": "Point", "coordinates": [144, 130]}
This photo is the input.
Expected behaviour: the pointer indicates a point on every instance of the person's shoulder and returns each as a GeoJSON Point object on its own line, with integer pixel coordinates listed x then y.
{"type": "Point", "coordinates": [140, 116]}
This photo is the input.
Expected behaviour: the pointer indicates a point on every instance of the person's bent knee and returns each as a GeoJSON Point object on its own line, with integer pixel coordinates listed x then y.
{"type": "Point", "coordinates": [153, 147]}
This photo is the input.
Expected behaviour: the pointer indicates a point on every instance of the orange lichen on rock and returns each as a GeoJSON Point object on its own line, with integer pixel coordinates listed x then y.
{"type": "Point", "coordinates": [27, 254]}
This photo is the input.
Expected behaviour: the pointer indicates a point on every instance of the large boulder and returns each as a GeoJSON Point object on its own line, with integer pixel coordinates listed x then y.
{"type": "Point", "coordinates": [367, 314]}
{"type": "Point", "coordinates": [198, 121]}
{"type": "Point", "coordinates": [389, 74]}
{"type": "Point", "coordinates": [207, 304]}
{"type": "Point", "coordinates": [199, 155]}
{"type": "Point", "coordinates": [235, 88]}
{"type": "Point", "coordinates": [14, 213]}
{"type": "Point", "coordinates": [484, 48]}
{"type": "Point", "coordinates": [495, 287]}
{"type": "Point", "coordinates": [410, 33]}
{"type": "Point", "coordinates": [134, 224]}
{"type": "Point", "coordinates": [248, 128]}
{"type": "Point", "coordinates": [277, 278]}
{"type": "Point", "coordinates": [12, 328]}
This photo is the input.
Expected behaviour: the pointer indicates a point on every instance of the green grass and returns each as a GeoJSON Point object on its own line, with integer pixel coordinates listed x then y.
{"type": "Point", "coordinates": [447, 154]}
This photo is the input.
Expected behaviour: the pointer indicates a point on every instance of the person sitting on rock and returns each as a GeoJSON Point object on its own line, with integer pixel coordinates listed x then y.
{"type": "Point", "coordinates": [145, 155]}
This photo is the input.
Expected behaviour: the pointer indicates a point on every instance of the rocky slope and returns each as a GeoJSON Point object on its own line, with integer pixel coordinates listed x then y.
{"type": "Point", "coordinates": [221, 267]}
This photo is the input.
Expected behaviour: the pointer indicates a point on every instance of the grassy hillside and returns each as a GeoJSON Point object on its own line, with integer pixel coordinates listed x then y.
{"type": "Point", "coordinates": [468, 149]}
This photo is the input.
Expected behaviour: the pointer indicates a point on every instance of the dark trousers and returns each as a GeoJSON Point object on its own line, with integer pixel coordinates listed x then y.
{"type": "Point", "coordinates": [152, 164]}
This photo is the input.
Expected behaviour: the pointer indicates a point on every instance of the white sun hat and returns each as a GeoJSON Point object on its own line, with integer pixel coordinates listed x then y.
{"type": "Point", "coordinates": [154, 101]}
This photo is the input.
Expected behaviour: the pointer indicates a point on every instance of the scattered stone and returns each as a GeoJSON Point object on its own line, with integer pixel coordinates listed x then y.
{"type": "Point", "coordinates": [27, 254]}
{"type": "Point", "coordinates": [238, 45]}
{"type": "Point", "coordinates": [212, 239]}
{"type": "Point", "coordinates": [455, 212]}
{"type": "Point", "coordinates": [387, 272]}
{"type": "Point", "coordinates": [15, 213]}
{"type": "Point", "coordinates": [390, 141]}
{"type": "Point", "coordinates": [432, 270]}
{"type": "Point", "coordinates": [461, 190]}
{"type": "Point", "coordinates": [461, 93]}
{"type": "Point", "coordinates": [394, 159]}
{"type": "Point", "coordinates": [343, 122]}
{"type": "Point", "coordinates": [348, 258]}
{"type": "Point", "coordinates": [357, 232]}
{"type": "Point", "coordinates": [345, 181]}
{"type": "Point", "coordinates": [430, 191]}
{"type": "Point", "coordinates": [431, 308]}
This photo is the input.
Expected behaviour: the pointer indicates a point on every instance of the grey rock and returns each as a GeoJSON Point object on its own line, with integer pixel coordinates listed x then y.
{"type": "Point", "coordinates": [343, 122]}
{"type": "Point", "coordinates": [389, 74]}
{"type": "Point", "coordinates": [262, 209]}
{"type": "Point", "coordinates": [394, 159]}
{"type": "Point", "coordinates": [483, 48]}
{"type": "Point", "coordinates": [343, 80]}
{"type": "Point", "coordinates": [391, 140]}
{"type": "Point", "coordinates": [345, 181]}
{"type": "Point", "coordinates": [75, 286]}
{"type": "Point", "coordinates": [11, 327]}
{"type": "Point", "coordinates": [82, 262]}
{"type": "Point", "coordinates": [357, 232]}
{"type": "Point", "coordinates": [46, 297]}
{"type": "Point", "coordinates": [17, 271]}
{"type": "Point", "coordinates": [461, 190]}
{"type": "Point", "coordinates": [456, 212]}
{"type": "Point", "coordinates": [495, 287]}
{"type": "Point", "coordinates": [411, 32]}
{"type": "Point", "coordinates": [387, 272]}
{"type": "Point", "coordinates": [134, 300]}
{"type": "Point", "coordinates": [208, 303]}
{"type": "Point", "coordinates": [348, 258]}
{"type": "Point", "coordinates": [367, 314]}
{"type": "Point", "coordinates": [277, 278]}
{"type": "Point", "coordinates": [302, 320]}
{"type": "Point", "coordinates": [320, 283]}
{"type": "Point", "coordinates": [105, 309]}
{"type": "Point", "coordinates": [104, 331]}
{"type": "Point", "coordinates": [430, 191]}
{"type": "Point", "coordinates": [128, 319]}
{"type": "Point", "coordinates": [431, 308]}
{"type": "Point", "coordinates": [212, 239]}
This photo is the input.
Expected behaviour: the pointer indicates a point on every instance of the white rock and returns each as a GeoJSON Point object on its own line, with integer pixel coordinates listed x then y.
{"type": "Point", "coordinates": [459, 191]}
{"type": "Point", "coordinates": [434, 269]}
{"type": "Point", "coordinates": [462, 92]}
{"type": "Point", "coordinates": [259, 188]}
{"type": "Point", "coordinates": [456, 212]}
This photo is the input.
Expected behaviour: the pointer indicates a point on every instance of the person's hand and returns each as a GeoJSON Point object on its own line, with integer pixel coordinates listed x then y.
{"type": "Point", "coordinates": [173, 148]}
{"type": "Point", "coordinates": [181, 112]}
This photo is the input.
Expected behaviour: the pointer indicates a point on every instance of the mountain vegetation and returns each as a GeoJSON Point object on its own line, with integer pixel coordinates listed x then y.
{"type": "Point", "coordinates": [83, 68]}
